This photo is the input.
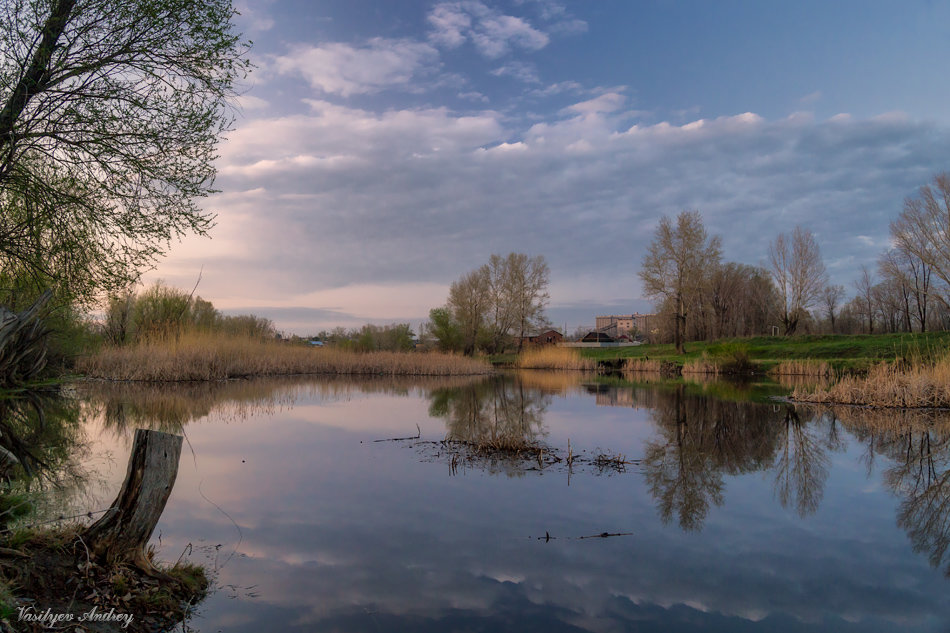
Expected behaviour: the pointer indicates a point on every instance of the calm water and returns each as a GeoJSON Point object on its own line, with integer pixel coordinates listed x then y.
{"type": "Point", "coordinates": [739, 516]}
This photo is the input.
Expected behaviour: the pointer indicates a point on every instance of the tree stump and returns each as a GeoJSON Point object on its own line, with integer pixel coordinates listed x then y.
{"type": "Point", "coordinates": [122, 533]}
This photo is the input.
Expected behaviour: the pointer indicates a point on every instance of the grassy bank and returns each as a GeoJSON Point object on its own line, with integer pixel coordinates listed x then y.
{"type": "Point", "coordinates": [838, 353]}
{"type": "Point", "coordinates": [216, 357]}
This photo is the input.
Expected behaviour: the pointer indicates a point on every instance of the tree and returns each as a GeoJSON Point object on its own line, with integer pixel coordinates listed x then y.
{"type": "Point", "coordinates": [528, 279]}
{"type": "Point", "coordinates": [922, 230]}
{"type": "Point", "coordinates": [110, 113]}
{"type": "Point", "coordinates": [831, 298]}
{"type": "Point", "coordinates": [799, 273]}
{"type": "Point", "coordinates": [676, 264]}
{"type": "Point", "coordinates": [445, 330]}
{"type": "Point", "coordinates": [504, 298]}
{"type": "Point", "coordinates": [469, 304]}
{"type": "Point", "coordinates": [865, 299]}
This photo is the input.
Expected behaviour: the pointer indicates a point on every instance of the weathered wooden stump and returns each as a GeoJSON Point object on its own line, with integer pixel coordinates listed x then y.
{"type": "Point", "coordinates": [22, 344]}
{"type": "Point", "coordinates": [122, 533]}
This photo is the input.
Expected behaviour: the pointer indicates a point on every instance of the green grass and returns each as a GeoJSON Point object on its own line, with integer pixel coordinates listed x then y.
{"type": "Point", "coordinates": [842, 352]}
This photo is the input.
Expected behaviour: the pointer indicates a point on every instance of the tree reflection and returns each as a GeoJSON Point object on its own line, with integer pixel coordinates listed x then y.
{"type": "Point", "coordinates": [40, 441]}
{"type": "Point", "coordinates": [801, 465]}
{"type": "Point", "coordinates": [703, 438]}
{"type": "Point", "coordinates": [917, 445]}
{"type": "Point", "coordinates": [495, 413]}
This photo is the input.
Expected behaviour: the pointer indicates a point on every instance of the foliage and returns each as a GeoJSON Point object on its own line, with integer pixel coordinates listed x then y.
{"type": "Point", "coordinates": [161, 312]}
{"type": "Point", "coordinates": [110, 113]}
{"type": "Point", "coordinates": [491, 305]}
{"type": "Point", "coordinates": [446, 331]}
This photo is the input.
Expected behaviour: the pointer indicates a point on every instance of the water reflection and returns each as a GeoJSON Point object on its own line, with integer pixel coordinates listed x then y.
{"type": "Point", "coordinates": [40, 441]}
{"type": "Point", "coordinates": [341, 532]}
{"type": "Point", "coordinates": [917, 445]}
{"type": "Point", "coordinates": [498, 413]}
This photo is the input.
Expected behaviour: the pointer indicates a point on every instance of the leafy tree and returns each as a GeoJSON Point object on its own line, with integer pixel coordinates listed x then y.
{"type": "Point", "coordinates": [675, 266]}
{"type": "Point", "coordinates": [445, 330]}
{"type": "Point", "coordinates": [110, 113]}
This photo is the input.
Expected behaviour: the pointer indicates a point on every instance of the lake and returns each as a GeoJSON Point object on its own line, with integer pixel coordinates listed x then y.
{"type": "Point", "coordinates": [686, 506]}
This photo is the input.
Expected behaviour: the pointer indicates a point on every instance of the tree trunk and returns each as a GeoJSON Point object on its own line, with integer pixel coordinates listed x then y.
{"type": "Point", "coordinates": [122, 533]}
{"type": "Point", "coordinates": [22, 344]}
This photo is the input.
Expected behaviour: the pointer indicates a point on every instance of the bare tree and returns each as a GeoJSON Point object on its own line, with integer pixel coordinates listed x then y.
{"type": "Point", "coordinates": [831, 298]}
{"type": "Point", "coordinates": [676, 265]}
{"type": "Point", "coordinates": [913, 276]}
{"type": "Point", "coordinates": [799, 273]}
{"type": "Point", "coordinates": [922, 230]}
{"type": "Point", "coordinates": [865, 288]}
{"type": "Point", "coordinates": [529, 278]}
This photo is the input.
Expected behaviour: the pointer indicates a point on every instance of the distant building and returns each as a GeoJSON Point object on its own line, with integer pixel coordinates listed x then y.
{"type": "Point", "coordinates": [597, 336]}
{"type": "Point", "coordinates": [548, 337]}
{"type": "Point", "coordinates": [617, 325]}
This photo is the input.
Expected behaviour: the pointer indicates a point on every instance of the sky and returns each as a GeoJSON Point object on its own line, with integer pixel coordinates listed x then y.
{"type": "Point", "coordinates": [381, 150]}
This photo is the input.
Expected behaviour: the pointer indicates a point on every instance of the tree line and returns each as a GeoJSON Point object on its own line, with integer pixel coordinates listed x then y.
{"type": "Point", "coordinates": [700, 297]}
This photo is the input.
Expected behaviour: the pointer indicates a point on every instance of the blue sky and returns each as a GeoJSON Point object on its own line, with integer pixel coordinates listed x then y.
{"type": "Point", "coordinates": [383, 149]}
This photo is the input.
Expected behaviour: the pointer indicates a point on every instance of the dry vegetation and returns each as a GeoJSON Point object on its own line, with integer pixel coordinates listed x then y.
{"type": "Point", "coordinates": [196, 356]}
{"type": "Point", "coordinates": [702, 365]}
{"type": "Point", "coordinates": [808, 368]}
{"type": "Point", "coordinates": [644, 364]}
{"type": "Point", "coordinates": [889, 385]}
{"type": "Point", "coordinates": [554, 358]}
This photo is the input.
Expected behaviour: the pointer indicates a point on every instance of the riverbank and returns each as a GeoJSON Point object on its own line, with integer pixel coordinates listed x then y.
{"type": "Point", "coordinates": [48, 582]}
{"type": "Point", "coordinates": [196, 357]}
{"type": "Point", "coordinates": [841, 354]}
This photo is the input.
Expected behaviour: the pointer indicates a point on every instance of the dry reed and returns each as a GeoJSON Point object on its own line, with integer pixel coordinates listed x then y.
{"type": "Point", "coordinates": [554, 358]}
{"type": "Point", "coordinates": [809, 368]}
{"type": "Point", "coordinates": [889, 385]}
{"type": "Point", "coordinates": [702, 365]}
{"type": "Point", "coordinates": [216, 357]}
{"type": "Point", "coordinates": [644, 364]}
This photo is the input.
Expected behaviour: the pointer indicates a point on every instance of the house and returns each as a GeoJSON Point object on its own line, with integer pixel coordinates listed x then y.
{"type": "Point", "coordinates": [597, 337]}
{"type": "Point", "coordinates": [630, 324]}
{"type": "Point", "coordinates": [548, 337]}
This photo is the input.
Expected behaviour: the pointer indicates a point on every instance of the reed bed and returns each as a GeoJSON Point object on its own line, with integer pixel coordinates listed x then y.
{"type": "Point", "coordinates": [215, 357]}
{"type": "Point", "coordinates": [554, 358]}
{"type": "Point", "coordinates": [702, 365]}
{"type": "Point", "coordinates": [889, 385]}
{"type": "Point", "coordinates": [809, 368]}
{"type": "Point", "coordinates": [645, 364]}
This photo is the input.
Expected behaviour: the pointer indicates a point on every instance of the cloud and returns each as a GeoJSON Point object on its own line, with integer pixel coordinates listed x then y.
{"type": "Point", "coordinates": [400, 199]}
{"type": "Point", "coordinates": [493, 33]}
{"type": "Point", "coordinates": [344, 69]}
{"type": "Point", "coordinates": [609, 102]}
{"type": "Point", "coordinates": [522, 71]}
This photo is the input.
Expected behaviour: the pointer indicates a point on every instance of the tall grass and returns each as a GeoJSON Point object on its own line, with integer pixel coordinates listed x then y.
{"type": "Point", "coordinates": [205, 356]}
{"type": "Point", "coordinates": [550, 357]}
{"type": "Point", "coordinates": [804, 367]}
{"type": "Point", "coordinates": [702, 365]}
{"type": "Point", "coordinates": [650, 365]}
{"type": "Point", "coordinates": [889, 385]}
